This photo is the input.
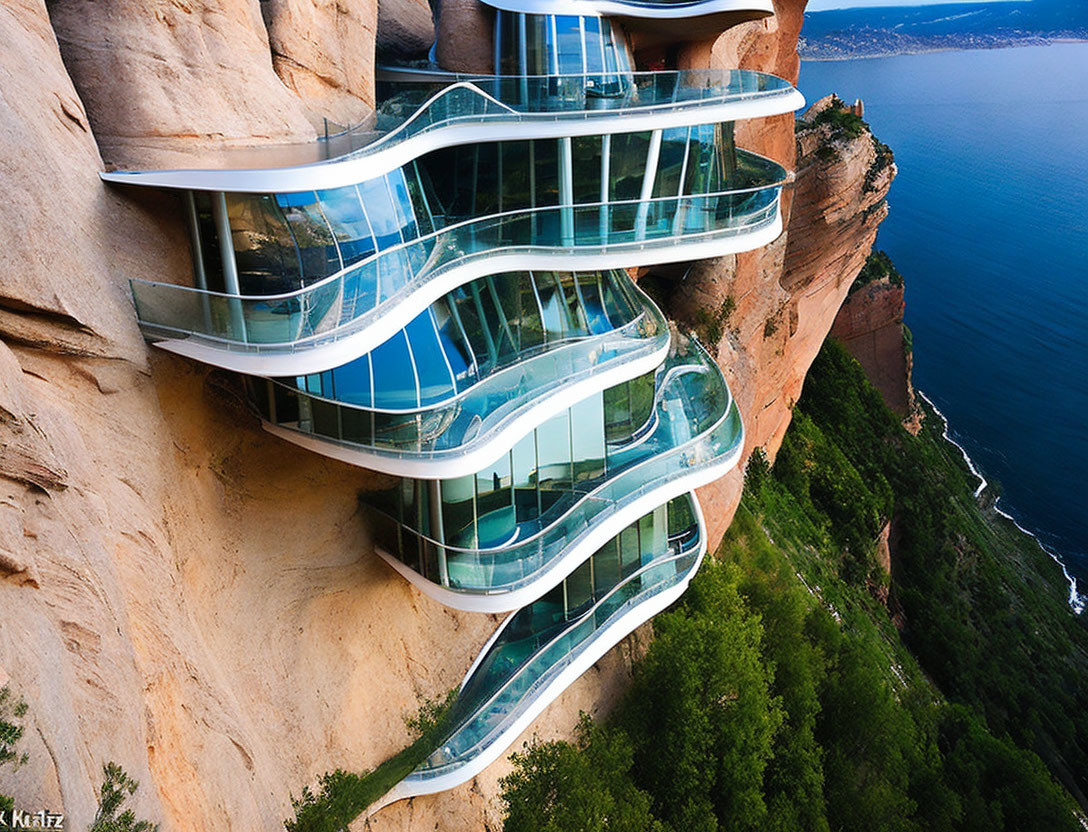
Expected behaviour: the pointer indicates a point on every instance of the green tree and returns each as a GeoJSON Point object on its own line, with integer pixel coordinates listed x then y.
{"type": "Point", "coordinates": [12, 711]}
{"type": "Point", "coordinates": [117, 787]}
{"type": "Point", "coordinates": [583, 787]}
{"type": "Point", "coordinates": [703, 692]}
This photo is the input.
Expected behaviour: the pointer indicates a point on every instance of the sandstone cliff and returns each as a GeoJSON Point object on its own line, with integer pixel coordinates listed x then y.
{"type": "Point", "coordinates": [181, 593]}
{"type": "Point", "coordinates": [870, 326]}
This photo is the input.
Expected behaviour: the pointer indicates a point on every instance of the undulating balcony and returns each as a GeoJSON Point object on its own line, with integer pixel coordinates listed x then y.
{"type": "Point", "coordinates": [472, 375]}
{"type": "Point", "coordinates": [539, 650]}
{"type": "Point", "coordinates": [495, 540]}
{"type": "Point", "coordinates": [417, 116]}
{"type": "Point", "coordinates": [338, 318]}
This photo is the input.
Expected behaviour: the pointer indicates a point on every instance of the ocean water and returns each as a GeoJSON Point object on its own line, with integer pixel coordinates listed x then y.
{"type": "Point", "coordinates": [989, 226]}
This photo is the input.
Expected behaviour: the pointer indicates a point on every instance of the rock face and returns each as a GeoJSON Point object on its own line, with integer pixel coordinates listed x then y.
{"type": "Point", "coordinates": [323, 50]}
{"type": "Point", "coordinates": [870, 326]}
{"type": "Point", "coordinates": [405, 28]}
{"type": "Point", "coordinates": [159, 76]}
{"type": "Point", "coordinates": [183, 594]}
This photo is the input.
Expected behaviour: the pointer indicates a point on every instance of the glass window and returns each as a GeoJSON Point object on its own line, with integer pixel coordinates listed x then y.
{"type": "Point", "coordinates": [553, 305]}
{"type": "Point", "coordinates": [418, 197]}
{"type": "Point", "coordinates": [545, 153]}
{"type": "Point", "coordinates": [454, 345]}
{"type": "Point", "coordinates": [586, 152]}
{"type": "Point", "coordinates": [628, 164]}
{"type": "Point", "coordinates": [651, 533]}
{"type": "Point", "coordinates": [468, 311]}
{"type": "Point", "coordinates": [553, 459]}
{"type": "Point", "coordinates": [594, 45]}
{"type": "Point", "coordinates": [536, 44]}
{"type": "Point", "coordinates": [317, 249]}
{"type": "Point", "coordinates": [209, 241]}
{"type": "Point", "coordinates": [569, 44]}
{"type": "Point", "coordinates": [670, 163]}
{"type": "Point", "coordinates": [495, 514]}
{"type": "Point", "coordinates": [383, 216]}
{"type": "Point", "coordinates": [579, 586]}
{"type": "Point", "coordinates": [606, 567]}
{"type": "Point", "coordinates": [435, 380]}
{"type": "Point", "coordinates": [513, 159]}
{"type": "Point", "coordinates": [630, 554]}
{"type": "Point", "coordinates": [459, 512]}
{"type": "Point", "coordinates": [394, 375]}
{"type": "Point", "coordinates": [264, 249]}
{"type": "Point", "coordinates": [587, 439]}
{"type": "Point", "coordinates": [523, 469]}
{"type": "Point", "coordinates": [576, 314]}
{"type": "Point", "coordinates": [592, 303]}
{"type": "Point", "coordinates": [531, 324]}
{"type": "Point", "coordinates": [348, 222]}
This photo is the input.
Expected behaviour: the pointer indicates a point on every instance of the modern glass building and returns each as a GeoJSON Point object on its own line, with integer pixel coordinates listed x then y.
{"type": "Point", "coordinates": [443, 294]}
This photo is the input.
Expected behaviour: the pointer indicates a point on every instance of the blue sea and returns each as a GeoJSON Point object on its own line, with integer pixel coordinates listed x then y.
{"type": "Point", "coordinates": [989, 226]}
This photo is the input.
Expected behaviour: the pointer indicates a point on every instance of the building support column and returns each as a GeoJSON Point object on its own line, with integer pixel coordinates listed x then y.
{"type": "Point", "coordinates": [230, 267]}
{"type": "Point", "coordinates": [652, 156]}
{"type": "Point", "coordinates": [566, 190]}
{"type": "Point", "coordinates": [434, 495]}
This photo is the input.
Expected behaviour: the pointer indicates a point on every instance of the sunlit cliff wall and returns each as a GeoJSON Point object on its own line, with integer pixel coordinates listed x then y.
{"type": "Point", "coordinates": [180, 592]}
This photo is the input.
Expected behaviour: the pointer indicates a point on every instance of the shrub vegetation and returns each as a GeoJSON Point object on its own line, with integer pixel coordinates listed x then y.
{"type": "Point", "coordinates": [778, 694]}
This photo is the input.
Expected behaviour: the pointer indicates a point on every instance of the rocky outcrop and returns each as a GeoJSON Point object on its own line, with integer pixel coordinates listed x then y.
{"type": "Point", "coordinates": [870, 326]}
{"type": "Point", "coordinates": [157, 75]}
{"type": "Point", "coordinates": [323, 50]}
{"type": "Point", "coordinates": [184, 594]}
{"type": "Point", "coordinates": [405, 29]}
{"type": "Point", "coordinates": [466, 37]}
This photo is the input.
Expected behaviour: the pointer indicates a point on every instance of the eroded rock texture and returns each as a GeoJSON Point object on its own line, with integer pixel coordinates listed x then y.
{"type": "Point", "coordinates": [181, 593]}
{"type": "Point", "coordinates": [323, 50]}
{"type": "Point", "coordinates": [870, 326]}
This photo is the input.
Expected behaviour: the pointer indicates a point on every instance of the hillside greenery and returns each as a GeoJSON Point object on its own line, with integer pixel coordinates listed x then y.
{"type": "Point", "coordinates": [779, 694]}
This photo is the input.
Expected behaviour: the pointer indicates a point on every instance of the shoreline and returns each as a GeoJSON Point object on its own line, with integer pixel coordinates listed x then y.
{"type": "Point", "coordinates": [1023, 44]}
{"type": "Point", "coordinates": [1077, 602]}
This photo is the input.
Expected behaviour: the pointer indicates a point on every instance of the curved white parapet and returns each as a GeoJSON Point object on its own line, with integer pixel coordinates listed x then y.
{"type": "Point", "coordinates": [486, 448]}
{"type": "Point", "coordinates": [304, 357]}
{"type": "Point", "coordinates": [590, 654]}
{"type": "Point", "coordinates": [576, 554]}
{"type": "Point", "coordinates": [386, 155]}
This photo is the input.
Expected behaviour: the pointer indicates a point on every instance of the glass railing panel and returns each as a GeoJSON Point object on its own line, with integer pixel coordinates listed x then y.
{"type": "Point", "coordinates": [652, 463]}
{"type": "Point", "coordinates": [505, 681]}
{"type": "Point", "coordinates": [479, 411]}
{"type": "Point", "coordinates": [353, 299]}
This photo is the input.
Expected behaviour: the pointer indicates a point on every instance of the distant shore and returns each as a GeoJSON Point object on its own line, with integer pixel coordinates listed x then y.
{"type": "Point", "coordinates": [920, 49]}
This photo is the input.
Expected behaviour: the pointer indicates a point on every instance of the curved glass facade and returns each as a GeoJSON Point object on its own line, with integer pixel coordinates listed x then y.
{"type": "Point", "coordinates": [508, 525]}
{"type": "Point", "coordinates": [657, 553]}
{"type": "Point", "coordinates": [685, 205]}
{"type": "Point", "coordinates": [447, 301]}
{"type": "Point", "coordinates": [470, 364]}
{"type": "Point", "coordinates": [553, 44]}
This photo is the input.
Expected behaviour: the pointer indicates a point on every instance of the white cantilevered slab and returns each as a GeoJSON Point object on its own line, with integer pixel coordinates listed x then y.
{"type": "Point", "coordinates": [300, 358]}
{"type": "Point", "coordinates": [579, 551]}
{"type": "Point", "coordinates": [382, 157]}
{"type": "Point", "coordinates": [601, 642]}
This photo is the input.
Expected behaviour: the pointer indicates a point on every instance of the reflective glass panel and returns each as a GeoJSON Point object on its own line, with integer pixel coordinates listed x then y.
{"type": "Point", "coordinates": [344, 211]}
{"type": "Point", "coordinates": [494, 504]}
{"type": "Point", "coordinates": [587, 439]}
{"type": "Point", "coordinates": [458, 511]}
{"type": "Point", "coordinates": [313, 237]}
{"type": "Point", "coordinates": [435, 381]}
{"type": "Point", "coordinates": [394, 375]}
{"type": "Point", "coordinates": [264, 249]}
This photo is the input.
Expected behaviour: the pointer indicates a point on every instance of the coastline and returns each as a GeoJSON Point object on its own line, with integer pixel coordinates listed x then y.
{"type": "Point", "coordinates": [1077, 602]}
{"type": "Point", "coordinates": [862, 56]}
